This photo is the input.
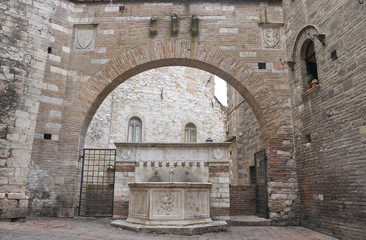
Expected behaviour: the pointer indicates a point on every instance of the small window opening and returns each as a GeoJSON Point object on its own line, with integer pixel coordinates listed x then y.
{"type": "Point", "coordinates": [121, 8]}
{"type": "Point", "coordinates": [49, 50]}
{"type": "Point", "coordinates": [261, 65]}
{"type": "Point", "coordinates": [134, 130]}
{"type": "Point", "coordinates": [310, 59]}
{"type": "Point", "coordinates": [333, 55]}
{"type": "Point", "coordinates": [47, 136]}
{"type": "Point", "coordinates": [308, 138]}
{"type": "Point", "coordinates": [190, 133]}
{"type": "Point", "coordinates": [252, 175]}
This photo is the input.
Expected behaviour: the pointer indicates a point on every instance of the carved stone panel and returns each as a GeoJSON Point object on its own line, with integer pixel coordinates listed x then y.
{"type": "Point", "coordinates": [271, 38]}
{"type": "Point", "coordinates": [125, 153]}
{"type": "Point", "coordinates": [197, 203]}
{"type": "Point", "coordinates": [166, 204]}
{"type": "Point", "coordinates": [139, 203]}
{"type": "Point", "coordinates": [85, 37]}
{"type": "Point", "coordinates": [218, 153]}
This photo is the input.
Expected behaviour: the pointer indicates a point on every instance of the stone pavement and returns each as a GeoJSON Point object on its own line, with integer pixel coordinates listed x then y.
{"type": "Point", "coordinates": [91, 229]}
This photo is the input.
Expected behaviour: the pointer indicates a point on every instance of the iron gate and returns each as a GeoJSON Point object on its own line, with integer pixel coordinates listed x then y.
{"type": "Point", "coordinates": [260, 159]}
{"type": "Point", "coordinates": [97, 183]}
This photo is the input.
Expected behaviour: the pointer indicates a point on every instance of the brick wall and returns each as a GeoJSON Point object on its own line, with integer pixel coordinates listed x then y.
{"type": "Point", "coordinates": [242, 200]}
{"type": "Point", "coordinates": [329, 120]}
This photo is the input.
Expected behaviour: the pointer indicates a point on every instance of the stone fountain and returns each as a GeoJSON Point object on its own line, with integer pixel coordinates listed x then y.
{"type": "Point", "coordinates": [180, 188]}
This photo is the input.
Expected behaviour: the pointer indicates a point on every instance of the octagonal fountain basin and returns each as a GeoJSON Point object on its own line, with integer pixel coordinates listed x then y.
{"type": "Point", "coordinates": [170, 207]}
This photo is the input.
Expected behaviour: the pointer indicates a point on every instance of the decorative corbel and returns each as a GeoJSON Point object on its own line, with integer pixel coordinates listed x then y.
{"type": "Point", "coordinates": [194, 25]}
{"type": "Point", "coordinates": [174, 24]}
{"type": "Point", "coordinates": [153, 26]}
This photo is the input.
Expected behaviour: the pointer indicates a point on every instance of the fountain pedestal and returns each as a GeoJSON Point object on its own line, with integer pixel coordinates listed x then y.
{"type": "Point", "coordinates": [177, 188]}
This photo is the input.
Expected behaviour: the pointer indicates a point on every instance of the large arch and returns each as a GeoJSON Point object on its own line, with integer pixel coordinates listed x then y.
{"type": "Point", "coordinates": [267, 107]}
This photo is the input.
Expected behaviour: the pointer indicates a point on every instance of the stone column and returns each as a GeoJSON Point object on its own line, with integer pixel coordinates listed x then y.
{"type": "Point", "coordinates": [124, 173]}
{"type": "Point", "coordinates": [219, 176]}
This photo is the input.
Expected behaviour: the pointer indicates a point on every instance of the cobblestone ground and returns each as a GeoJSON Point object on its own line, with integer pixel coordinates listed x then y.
{"type": "Point", "coordinates": [90, 229]}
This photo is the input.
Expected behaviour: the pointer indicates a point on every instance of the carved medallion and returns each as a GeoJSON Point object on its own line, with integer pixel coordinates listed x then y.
{"type": "Point", "coordinates": [218, 153]}
{"type": "Point", "coordinates": [85, 38]}
{"type": "Point", "coordinates": [125, 153]}
{"type": "Point", "coordinates": [271, 38]}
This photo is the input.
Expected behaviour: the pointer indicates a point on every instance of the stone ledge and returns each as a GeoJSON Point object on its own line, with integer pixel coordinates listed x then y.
{"type": "Point", "coordinates": [215, 226]}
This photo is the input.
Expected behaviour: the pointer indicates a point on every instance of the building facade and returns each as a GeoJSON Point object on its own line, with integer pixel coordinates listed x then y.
{"type": "Point", "coordinates": [171, 104]}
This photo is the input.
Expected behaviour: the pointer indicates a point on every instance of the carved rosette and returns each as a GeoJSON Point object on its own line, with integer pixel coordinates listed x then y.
{"type": "Point", "coordinates": [271, 38]}
{"type": "Point", "coordinates": [85, 37]}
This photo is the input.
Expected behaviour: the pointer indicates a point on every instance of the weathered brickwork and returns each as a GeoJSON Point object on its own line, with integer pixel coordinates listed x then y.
{"type": "Point", "coordinates": [165, 99]}
{"type": "Point", "coordinates": [329, 120]}
{"type": "Point", "coordinates": [246, 137]}
{"type": "Point", "coordinates": [60, 60]}
{"type": "Point", "coordinates": [242, 200]}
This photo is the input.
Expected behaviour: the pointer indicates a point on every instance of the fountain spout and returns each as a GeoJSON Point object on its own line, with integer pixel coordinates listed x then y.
{"type": "Point", "coordinates": [171, 173]}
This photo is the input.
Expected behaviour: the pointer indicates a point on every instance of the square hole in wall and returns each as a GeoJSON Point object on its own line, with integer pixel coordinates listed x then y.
{"type": "Point", "coordinates": [261, 65]}
{"type": "Point", "coordinates": [334, 55]}
{"type": "Point", "coordinates": [308, 138]}
{"type": "Point", "coordinates": [47, 136]}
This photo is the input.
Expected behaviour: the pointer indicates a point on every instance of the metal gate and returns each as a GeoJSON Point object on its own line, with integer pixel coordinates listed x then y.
{"type": "Point", "coordinates": [97, 183]}
{"type": "Point", "coordinates": [260, 159]}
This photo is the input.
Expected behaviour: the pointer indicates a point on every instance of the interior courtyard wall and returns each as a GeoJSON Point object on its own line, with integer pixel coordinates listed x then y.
{"type": "Point", "coordinates": [120, 29]}
{"type": "Point", "coordinates": [165, 99]}
{"type": "Point", "coordinates": [330, 120]}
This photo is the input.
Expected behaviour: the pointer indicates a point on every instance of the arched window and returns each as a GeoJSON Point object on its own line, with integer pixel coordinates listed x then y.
{"type": "Point", "coordinates": [190, 133]}
{"type": "Point", "coordinates": [310, 60]}
{"type": "Point", "coordinates": [134, 130]}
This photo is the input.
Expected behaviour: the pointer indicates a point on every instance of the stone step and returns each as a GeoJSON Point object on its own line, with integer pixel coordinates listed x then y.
{"type": "Point", "coordinates": [249, 221]}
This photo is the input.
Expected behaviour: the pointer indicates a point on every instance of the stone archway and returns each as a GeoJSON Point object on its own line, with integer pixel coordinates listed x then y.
{"type": "Point", "coordinates": [267, 107]}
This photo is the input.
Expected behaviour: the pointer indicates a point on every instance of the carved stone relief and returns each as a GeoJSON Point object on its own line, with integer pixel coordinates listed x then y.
{"type": "Point", "coordinates": [125, 153]}
{"type": "Point", "coordinates": [197, 204]}
{"type": "Point", "coordinates": [218, 153]}
{"type": "Point", "coordinates": [166, 204]}
{"type": "Point", "coordinates": [139, 203]}
{"type": "Point", "coordinates": [271, 38]}
{"type": "Point", "coordinates": [85, 37]}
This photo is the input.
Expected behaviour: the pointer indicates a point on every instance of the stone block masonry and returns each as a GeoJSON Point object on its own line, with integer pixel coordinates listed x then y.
{"type": "Point", "coordinates": [165, 99]}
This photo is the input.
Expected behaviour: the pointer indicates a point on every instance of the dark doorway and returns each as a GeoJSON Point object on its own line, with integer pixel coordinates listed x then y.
{"type": "Point", "coordinates": [261, 195]}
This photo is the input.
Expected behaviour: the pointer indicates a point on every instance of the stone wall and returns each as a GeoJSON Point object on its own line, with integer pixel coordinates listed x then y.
{"type": "Point", "coordinates": [24, 38]}
{"type": "Point", "coordinates": [165, 99]}
{"type": "Point", "coordinates": [330, 120]}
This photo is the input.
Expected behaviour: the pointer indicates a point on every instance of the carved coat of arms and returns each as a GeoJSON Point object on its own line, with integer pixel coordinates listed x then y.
{"type": "Point", "coordinates": [272, 38]}
{"type": "Point", "coordinates": [85, 39]}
